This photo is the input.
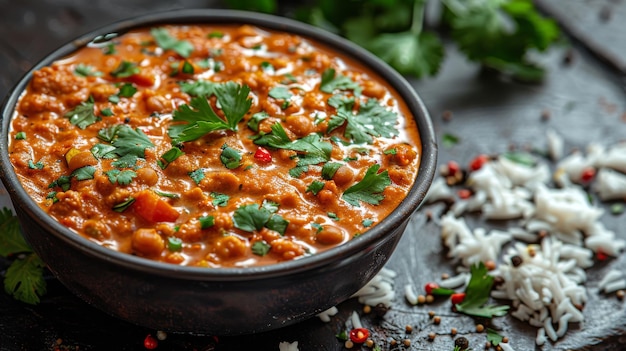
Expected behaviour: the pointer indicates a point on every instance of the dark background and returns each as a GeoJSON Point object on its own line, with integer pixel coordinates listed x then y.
{"type": "Point", "coordinates": [583, 95]}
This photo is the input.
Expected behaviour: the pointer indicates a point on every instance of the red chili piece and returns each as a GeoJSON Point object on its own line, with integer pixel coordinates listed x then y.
{"type": "Point", "coordinates": [359, 335]}
{"type": "Point", "coordinates": [587, 174]}
{"type": "Point", "coordinates": [263, 155]}
{"type": "Point", "coordinates": [429, 287]}
{"type": "Point", "coordinates": [601, 256]}
{"type": "Point", "coordinates": [150, 342]}
{"type": "Point", "coordinates": [453, 168]}
{"type": "Point", "coordinates": [464, 193]}
{"type": "Point", "coordinates": [478, 162]}
{"type": "Point", "coordinates": [457, 298]}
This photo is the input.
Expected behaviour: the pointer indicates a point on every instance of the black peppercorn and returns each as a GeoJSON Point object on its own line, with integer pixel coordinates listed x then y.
{"type": "Point", "coordinates": [380, 310]}
{"type": "Point", "coordinates": [462, 343]}
{"type": "Point", "coordinates": [516, 261]}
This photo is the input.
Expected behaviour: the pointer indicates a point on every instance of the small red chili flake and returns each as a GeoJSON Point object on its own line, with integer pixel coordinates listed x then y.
{"type": "Point", "coordinates": [464, 193]}
{"type": "Point", "coordinates": [263, 155]}
{"type": "Point", "coordinates": [587, 174]}
{"type": "Point", "coordinates": [601, 255]}
{"type": "Point", "coordinates": [359, 335]}
{"type": "Point", "coordinates": [457, 298]}
{"type": "Point", "coordinates": [150, 342]}
{"type": "Point", "coordinates": [429, 287]}
{"type": "Point", "coordinates": [478, 162]}
{"type": "Point", "coordinates": [453, 168]}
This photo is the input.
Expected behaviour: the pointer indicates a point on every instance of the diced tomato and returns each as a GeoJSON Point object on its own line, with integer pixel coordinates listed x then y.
{"type": "Point", "coordinates": [457, 298]}
{"type": "Point", "coordinates": [478, 162]}
{"type": "Point", "coordinates": [359, 335]}
{"type": "Point", "coordinates": [152, 208]}
{"type": "Point", "coordinates": [263, 155]}
{"type": "Point", "coordinates": [141, 79]}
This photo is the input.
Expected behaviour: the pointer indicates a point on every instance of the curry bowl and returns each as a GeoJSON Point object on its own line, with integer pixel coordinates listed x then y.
{"type": "Point", "coordinates": [204, 298]}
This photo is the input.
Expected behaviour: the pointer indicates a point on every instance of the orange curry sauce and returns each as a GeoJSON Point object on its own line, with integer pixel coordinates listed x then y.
{"type": "Point", "coordinates": [213, 146]}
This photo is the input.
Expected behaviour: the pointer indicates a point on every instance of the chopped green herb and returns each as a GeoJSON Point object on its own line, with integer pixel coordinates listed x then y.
{"type": "Point", "coordinates": [202, 119]}
{"type": "Point", "coordinates": [220, 200]}
{"type": "Point", "coordinates": [127, 90]}
{"type": "Point", "coordinates": [281, 93]}
{"type": "Point", "coordinates": [289, 78]}
{"type": "Point", "coordinates": [367, 222]}
{"type": "Point", "coordinates": [64, 182]}
{"type": "Point", "coordinates": [52, 196]}
{"type": "Point", "coordinates": [169, 156]}
{"type": "Point", "coordinates": [343, 335]}
{"type": "Point", "coordinates": [260, 248]}
{"type": "Point", "coordinates": [369, 189]}
{"type": "Point", "coordinates": [122, 206]}
{"type": "Point", "coordinates": [520, 157]}
{"type": "Point", "coordinates": [372, 120]}
{"type": "Point", "coordinates": [197, 175]}
{"type": "Point", "coordinates": [106, 112]}
{"type": "Point", "coordinates": [84, 173]}
{"type": "Point", "coordinates": [165, 41]}
{"type": "Point", "coordinates": [318, 227]}
{"type": "Point", "coordinates": [333, 216]}
{"type": "Point", "coordinates": [188, 68]}
{"type": "Point", "coordinates": [449, 140]}
{"type": "Point", "coordinates": [38, 165]}
{"type": "Point", "coordinates": [168, 195]}
{"type": "Point", "coordinates": [125, 69]}
{"type": "Point", "coordinates": [174, 244]}
{"type": "Point", "coordinates": [329, 169]}
{"type": "Point", "coordinates": [109, 49]}
{"type": "Point", "coordinates": [256, 119]}
{"type": "Point", "coordinates": [86, 71]}
{"type": "Point", "coordinates": [206, 222]}
{"type": "Point", "coordinates": [120, 177]}
{"type": "Point", "coordinates": [251, 217]}
{"type": "Point", "coordinates": [114, 99]}
{"type": "Point", "coordinates": [277, 223]}
{"type": "Point", "coordinates": [20, 136]}
{"type": "Point", "coordinates": [477, 294]}
{"type": "Point", "coordinates": [216, 34]}
{"type": "Point", "coordinates": [493, 337]}
{"type": "Point", "coordinates": [315, 187]}
{"type": "Point", "coordinates": [199, 88]}
{"type": "Point", "coordinates": [83, 115]}
{"type": "Point", "coordinates": [231, 158]}
{"type": "Point", "coordinates": [267, 67]}
{"type": "Point", "coordinates": [332, 81]}
{"type": "Point", "coordinates": [391, 151]}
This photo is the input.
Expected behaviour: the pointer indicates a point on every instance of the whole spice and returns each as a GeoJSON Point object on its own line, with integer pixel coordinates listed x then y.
{"type": "Point", "coordinates": [462, 343]}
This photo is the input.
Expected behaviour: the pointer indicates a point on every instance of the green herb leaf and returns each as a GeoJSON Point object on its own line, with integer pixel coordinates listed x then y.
{"type": "Point", "coordinates": [315, 187]}
{"type": "Point", "coordinates": [206, 222]}
{"type": "Point", "coordinates": [329, 169]}
{"type": "Point", "coordinates": [168, 195]}
{"type": "Point", "coordinates": [281, 93]}
{"type": "Point", "coordinates": [520, 157]}
{"type": "Point", "coordinates": [11, 239]}
{"type": "Point", "coordinates": [409, 53]}
{"type": "Point", "coordinates": [372, 120]}
{"type": "Point", "coordinates": [127, 90]}
{"type": "Point", "coordinates": [120, 177]}
{"type": "Point", "coordinates": [125, 69]}
{"type": "Point", "coordinates": [169, 156]}
{"type": "Point", "coordinates": [200, 88]}
{"type": "Point", "coordinates": [20, 136]}
{"type": "Point", "coordinates": [260, 248]}
{"type": "Point", "coordinates": [64, 182]}
{"type": "Point", "coordinates": [24, 279]}
{"type": "Point", "coordinates": [493, 337]}
{"type": "Point", "coordinates": [82, 115]}
{"type": "Point", "coordinates": [277, 223]}
{"type": "Point", "coordinates": [477, 294]}
{"type": "Point", "coordinates": [197, 175]}
{"type": "Point", "coordinates": [251, 217]}
{"type": "Point", "coordinates": [84, 173]}
{"type": "Point", "coordinates": [367, 222]}
{"type": "Point", "coordinates": [256, 119]}
{"type": "Point", "coordinates": [231, 158]}
{"type": "Point", "coordinates": [122, 206]}
{"type": "Point", "coordinates": [165, 41]}
{"type": "Point", "coordinates": [86, 71]}
{"type": "Point", "coordinates": [333, 216]}
{"type": "Point", "coordinates": [220, 200]}
{"type": "Point", "coordinates": [369, 189]}
{"type": "Point", "coordinates": [332, 81]}
{"type": "Point", "coordinates": [188, 68]}
{"type": "Point", "coordinates": [202, 119]}
{"type": "Point", "coordinates": [106, 112]}
{"type": "Point", "coordinates": [32, 165]}
{"type": "Point", "coordinates": [449, 140]}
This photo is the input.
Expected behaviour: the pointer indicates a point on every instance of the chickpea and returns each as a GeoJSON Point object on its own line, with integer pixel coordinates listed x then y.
{"type": "Point", "coordinates": [81, 159]}
{"type": "Point", "coordinates": [299, 125]}
{"type": "Point", "coordinates": [287, 249]}
{"type": "Point", "coordinates": [330, 235]}
{"type": "Point", "coordinates": [157, 103]}
{"type": "Point", "coordinates": [343, 176]}
{"type": "Point", "coordinates": [230, 246]}
{"type": "Point", "coordinates": [147, 176]}
{"type": "Point", "coordinates": [148, 242]}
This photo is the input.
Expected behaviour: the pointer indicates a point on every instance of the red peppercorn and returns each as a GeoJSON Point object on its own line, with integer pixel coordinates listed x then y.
{"type": "Point", "coordinates": [587, 174]}
{"type": "Point", "coordinates": [464, 193]}
{"type": "Point", "coordinates": [263, 155]}
{"type": "Point", "coordinates": [150, 342]}
{"type": "Point", "coordinates": [453, 168]}
{"type": "Point", "coordinates": [429, 287]}
{"type": "Point", "coordinates": [457, 298]}
{"type": "Point", "coordinates": [478, 162]}
{"type": "Point", "coordinates": [359, 335]}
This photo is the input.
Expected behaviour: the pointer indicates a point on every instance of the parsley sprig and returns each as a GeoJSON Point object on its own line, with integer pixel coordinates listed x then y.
{"type": "Point", "coordinates": [371, 120]}
{"type": "Point", "coordinates": [201, 118]}
{"type": "Point", "coordinates": [477, 294]}
{"type": "Point", "coordinates": [369, 189]}
{"type": "Point", "coordinates": [24, 278]}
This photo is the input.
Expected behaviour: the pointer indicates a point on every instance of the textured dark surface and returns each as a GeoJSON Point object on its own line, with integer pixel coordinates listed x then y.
{"type": "Point", "coordinates": [586, 102]}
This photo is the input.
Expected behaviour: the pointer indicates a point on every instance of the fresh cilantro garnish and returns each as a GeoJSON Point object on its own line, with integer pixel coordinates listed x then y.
{"type": "Point", "coordinates": [318, 227]}
{"type": "Point", "coordinates": [199, 88]}
{"type": "Point", "coordinates": [449, 140]}
{"type": "Point", "coordinates": [329, 169]}
{"type": "Point", "coordinates": [114, 99]}
{"type": "Point", "coordinates": [122, 206]}
{"type": "Point", "coordinates": [52, 196]}
{"type": "Point", "coordinates": [371, 120]}
{"type": "Point", "coordinates": [32, 165]}
{"type": "Point", "coordinates": [20, 136]}
{"type": "Point", "coordinates": [215, 34]}
{"type": "Point", "coordinates": [127, 145]}
{"type": "Point", "coordinates": [256, 118]}
{"type": "Point", "coordinates": [220, 200]}
{"type": "Point", "coordinates": [315, 187]}
{"type": "Point", "coordinates": [206, 222]}
{"type": "Point", "coordinates": [169, 156]}
{"type": "Point", "coordinates": [253, 217]}
{"type": "Point", "coordinates": [109, 49]}
{"type": "Point", "coordinates": [187, 68]}
{"type": "Point", "coordinates": [493, 337]}
{"type": "Point", "coordinates": [84, 173]}
{"type": "Point", "coordinates": [86, 71]}
{"type": "Point", "coordinates": [367, 222]}
{"type": "Point", "coordinates": [202, 119]}
{"type": "Point", "coordinates": [477, 294]}
{"type": "Point", "coordinates": [127, 90]}
{"type": "Point", "coordinates": [260, 248]}
{"type": "Point", "coordinates": [333, 216]}
{"type": "Point", "coordinates": [64, 182]}
{"type": "Point", "coordinates": [343, 335]}
{"type": "Point", "coordinates": [332, 81]}
{"type": "Point", "coordinates": [24, 278]}
{"type": "Point", "coordinates": [369, 189]}
{"type": "Point", "coordinates": [165, 41]}
{"type": "Point", "coordinates": [231, 158]}
{"type": "Point", "coordinates": [120, 177]}
{"type": "Point", "coordinates": [106, 112]}
{"type": "Point", "coordinates": [197, 175]}
{"type": "Point", "coordinates": [82, 115]}
{"type": "Point", "coordinates": [125, 69]}
{"type": "Point", "coordinates": [289, 78]}
{"type": "Point", "coordinates": [520, 157]}
{"type": "Point", "coordinates": [280, 93]}
{"type": "Point", "coordinates": [267, 67]}
{"type": "Point", "coordinates": [391, 151]}
{"type": "Point", "coordinates": [164, 194]}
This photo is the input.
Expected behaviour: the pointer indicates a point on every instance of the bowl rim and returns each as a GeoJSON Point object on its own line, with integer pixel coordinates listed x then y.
{"type": "Point", "coordinates": [406, 208]}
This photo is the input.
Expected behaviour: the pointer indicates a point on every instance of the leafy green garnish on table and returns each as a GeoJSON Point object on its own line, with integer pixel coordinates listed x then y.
{"type": "Point", "coordinates": [477, 294]}
{"type": "Point", "coordinates": [493, 337]}
{"type": "Point", "coordinates": [449, 140]}
{"type": "Point", "coordinates": [24, 278]}
{"type": "Point", "coordinates": [202, 119]}
{"type": "Point", "coordinates": [369, 189]}
{"type": "Point", "coordinates": [165, 41]}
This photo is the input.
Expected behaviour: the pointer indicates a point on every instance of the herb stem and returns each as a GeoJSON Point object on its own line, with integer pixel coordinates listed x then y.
{"type": "Point", "coordinates": [417, 21]}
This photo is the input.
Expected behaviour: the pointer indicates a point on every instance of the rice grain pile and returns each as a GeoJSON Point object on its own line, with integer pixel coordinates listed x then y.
{"type": "Point", "coordinates": [557, 230]}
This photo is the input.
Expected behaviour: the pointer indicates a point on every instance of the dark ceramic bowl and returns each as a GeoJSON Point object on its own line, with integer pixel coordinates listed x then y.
{"type": "Point", "coordinates": [217, 301]}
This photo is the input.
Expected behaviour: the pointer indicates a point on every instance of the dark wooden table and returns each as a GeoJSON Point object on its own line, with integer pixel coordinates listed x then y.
{"type": "Point", "coordinates": [585, 99]}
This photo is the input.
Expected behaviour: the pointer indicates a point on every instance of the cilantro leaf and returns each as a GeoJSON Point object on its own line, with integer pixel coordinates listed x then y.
{"type": "Point", "coordinates": [220, 200]}
{"type": "Point", "coordinates": [202, 119]}
{"type": "Point", "coordinates": [315, 187]}
{"type": "Point", "coordinates": [251, 217]}
{"type": "Point", "coordinates": [125, 69]}
{"type": "Point", "coordinates": [200, 88]}
{"type": "Point", "coordinates": [83, 70]}
{"type": "Point", "coordinates": [409, 53]}
{"type": "Point", "coordinates": [277, 223]}
{"type": "Point", "coordinates": [493, 337]}
{"type": "Point", "coordinates": [477, 294]}
{"type": "Point", "coordinates": [231, 158]}
{"type": "Point", "coordinates": [332, 81]}
{"type": "Point", "coordinates": [165, 41]}
{"type": "Point", "coordinates": [24, 279]}
{"type": "Point", "coordinates": [169, 156]}
{"type": "Point", "coordinates": [11, 239]}
{"type": "Point", "coordinates": [329, 169]}
{"type": "Point", "coordinates": [371, 120]}
{"type": "Point", "coordinates": [84, 173]}
{"type": "Point", "coordinates": [369, 189]}
{"type": "Point", "coordinates": [197, 175]}
{"type": "Point", "coordinates": [280, 93]}
{"type": "Point", "coordinates": [120, 177]}
{"type": "Point", "coordinates": [206, 222]}
{"type": "Point", "coordinates": [83, 115]}
{"type": "Point", "coordinates": [256, 119]}
{"type": "Point", "coordinates": [260, 248]}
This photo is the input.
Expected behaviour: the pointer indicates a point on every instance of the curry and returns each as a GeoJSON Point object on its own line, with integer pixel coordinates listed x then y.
{"type": "Point", "coordinates": [215, 146]}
